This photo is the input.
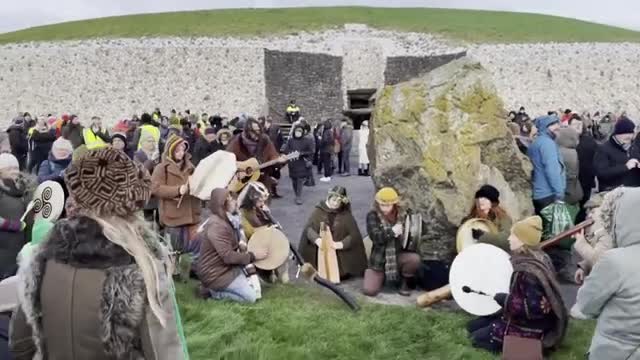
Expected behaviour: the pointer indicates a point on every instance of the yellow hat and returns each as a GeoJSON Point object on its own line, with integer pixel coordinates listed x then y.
{"type": "Point", "coordinates": [529, 230]}
{"type": "Point", "coordinates": [387, 196]}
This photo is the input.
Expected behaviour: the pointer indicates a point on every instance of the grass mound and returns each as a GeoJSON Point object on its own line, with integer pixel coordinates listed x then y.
{"type": "Point", "coordinates": [468, 25]}
{"type": "Point", "coordinates": [305, 322]}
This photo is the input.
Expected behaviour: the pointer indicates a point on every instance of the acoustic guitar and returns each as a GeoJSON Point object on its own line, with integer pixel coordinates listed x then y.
{"type": "Point", "coordinates": [249, 170]}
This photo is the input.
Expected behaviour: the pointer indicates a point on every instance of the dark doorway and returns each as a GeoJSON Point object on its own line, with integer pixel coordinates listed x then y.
{"type": "Point", "coordinates": [359, 108]}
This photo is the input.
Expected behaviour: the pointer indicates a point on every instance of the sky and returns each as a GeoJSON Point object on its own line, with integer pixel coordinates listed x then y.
{"type": "Point", "coordinates": [15, 15]}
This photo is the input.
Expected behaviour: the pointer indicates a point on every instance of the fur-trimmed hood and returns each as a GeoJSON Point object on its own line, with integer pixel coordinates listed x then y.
{"type": "Point", "coordinates": [23, 186]}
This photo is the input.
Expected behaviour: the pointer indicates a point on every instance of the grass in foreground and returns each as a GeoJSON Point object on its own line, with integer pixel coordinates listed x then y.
{"type": "Point", "coordinates": [468, 25]}
{"type": "Point", "coordinates": [303, 322]}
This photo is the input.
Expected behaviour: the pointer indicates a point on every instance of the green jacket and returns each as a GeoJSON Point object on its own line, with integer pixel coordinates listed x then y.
{"type": "Point", "coordinates": [501, 238]}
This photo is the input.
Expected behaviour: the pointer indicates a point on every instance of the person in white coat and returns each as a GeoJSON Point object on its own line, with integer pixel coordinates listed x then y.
{"type": "Point", "coordinates": [611, 292]}
{"type": "Point", "coordinates": [363, 157]}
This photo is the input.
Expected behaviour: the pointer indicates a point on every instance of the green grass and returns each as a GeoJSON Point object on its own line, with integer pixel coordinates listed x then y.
{"type": "Point", "coordinates": [467, 25]}
{"type": "Point", "coordinates": [305, 322]}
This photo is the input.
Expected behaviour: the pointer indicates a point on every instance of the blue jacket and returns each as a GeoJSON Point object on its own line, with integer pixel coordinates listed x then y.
{"type": "Point", "coordinates": [548, 167]}
{"type": "Point", "coordinates": [52, 169]}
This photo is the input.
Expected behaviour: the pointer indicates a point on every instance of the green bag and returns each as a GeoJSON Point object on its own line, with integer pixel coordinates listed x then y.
{"type": "Point", "coordinates": [556, 218]}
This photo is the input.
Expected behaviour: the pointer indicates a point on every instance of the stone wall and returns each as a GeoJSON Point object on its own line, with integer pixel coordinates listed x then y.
{"type": "Point", "coordinates": [314, 80]}
{"type": "Point", "coordinates": [404, 68]}
{"type": "Point", "coordinates": [116, 81]}
{"type": "Point", "coordinates": [581, 77]}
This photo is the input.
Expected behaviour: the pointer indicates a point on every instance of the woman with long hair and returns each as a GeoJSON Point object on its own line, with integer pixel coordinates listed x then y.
{"type": "Point", "coordinates": [97, 288]}
{"type": "Point", "coordinates": [533, 308]}
{"type": "Point", "coordinates": [486, 206]}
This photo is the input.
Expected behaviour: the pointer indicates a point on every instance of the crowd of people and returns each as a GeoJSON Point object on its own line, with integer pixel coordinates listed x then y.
{"type": "Point", "coordinates": [132, 222]}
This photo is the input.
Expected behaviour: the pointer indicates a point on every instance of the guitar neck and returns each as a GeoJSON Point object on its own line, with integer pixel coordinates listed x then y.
{"type": "Point", "coordinates": [267, 164]}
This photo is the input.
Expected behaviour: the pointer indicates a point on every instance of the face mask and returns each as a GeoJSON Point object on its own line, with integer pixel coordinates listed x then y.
{"type": "Point", "coordinates": [297, 134]}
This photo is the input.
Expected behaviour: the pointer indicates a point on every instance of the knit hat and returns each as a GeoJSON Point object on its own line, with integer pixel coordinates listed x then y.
{"type": "Point", "coordinates": [62, 148]}
{"type": "Point", "coordinates": [624, 126]}
{"type": "Point", "coordinates": [8, 161]}
{"type": "Point", "coordinates": [120, 136]}
{"type": "Point", "coordinates": [387, 196]}
{"type": "Point", "coordinates": [528, 231]}
{"type": "Point", "coordinates": [106, 182]}
{"type": "Point", "coordinates": [209, 131]}
{"type": "Point", "coordinates": [489, 192]}
{"type": "Point", "coordinates": [340, 192]}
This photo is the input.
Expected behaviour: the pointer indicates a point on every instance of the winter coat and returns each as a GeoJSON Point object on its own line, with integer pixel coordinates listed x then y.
{"type": "Point", "coordinates": [381, 236]}
{"type": "Point", "coordinates": [165, 185]}
{"type": "Point", "coordinates": [352, 259]}
{"type": "Point", "coordinates": [611, 292]}
{"type": "Point", "coordinates": [14, 197]}
{"type": "Point", "coordinates": [275, 135]}
{"type": "Point", "coordinates": [40, 144]}
{"type": "Point", "coordinates": [301, 167]}
{"type": "Point", "coordinates": [586, 152]}
{"type": "Point", "coordinates": [220, 260]}
{"type": "Point", "coordinates": [85, 298]}
{"type": "Point", "coordinates": [142, 158]}
{"type": "Point", "coordinates": [499, 239]}
{"type": "Point", "coordinates": [19, 143]}
{"type": "Point", "coordinates": [567, 140]}
{"type": "Point", "coordinates": [633, 177]}
{"type": "Point", "coordinates": [73, 133]}
{"type": "Point", "coordinates": [363, 156]}
{"type": "Point", "coordinates": [204, 148]}
{"type": "Point", "coordinates": [265, 151]}
{"type": "Point", "coordinates": [346, 138]}
{"type": "Point", "coordinates": [548, 168]}
{"type": "Point", "coordinates": [327, 140]}
{"type": "Point", "coordinates": [52, 169]}
{"type": "Point", "coordinates": [610, 164]}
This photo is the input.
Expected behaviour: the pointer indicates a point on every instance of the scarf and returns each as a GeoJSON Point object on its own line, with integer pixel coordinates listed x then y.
{"type": "Point", "coordinates": [539, 265]}
{"type": "Point", "coordinates": [624, 146]}
{"type": "Point", "coordinates": [391, 262]}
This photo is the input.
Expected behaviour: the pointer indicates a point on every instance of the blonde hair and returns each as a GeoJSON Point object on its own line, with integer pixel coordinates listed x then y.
{"type": "Point", "coordinates": [136, 237]}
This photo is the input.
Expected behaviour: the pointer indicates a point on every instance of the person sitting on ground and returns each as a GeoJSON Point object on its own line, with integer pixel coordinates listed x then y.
{"type": "Point", "coordinates": [170, 184]}
{"type": "Point", "coordinates": [72, 131]}
{"type": "Point", "coordinates": [611, 292]}
{"type": "Point", "coordinates": [300, 169]}
{"type": "Point", "coordinates": [611, 161]}
{"type": "Point", "coordinates": [206, 145]}
{"type": "Point", "coordinates": [103, 255]}
{"type": "Point", "coordinates": [487, 206]}
{"type": "Point", "coordinates": [224, 264]}
{"type": "Point", "coordinates": [335, 212]}
{"type": "Point", "coordinates": [534, 307]}
{"type": "Point", "coordinates": [59, 159]}
{"type": "Point", "coordinates": [389, 262]}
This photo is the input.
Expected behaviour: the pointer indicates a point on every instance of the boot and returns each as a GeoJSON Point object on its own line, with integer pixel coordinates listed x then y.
{"type": "Point", "coordinates": [299, 200]}
{"type": "Point", "coordinates": [360, 172]}
{"type": "Point", "coordinates": [404, 289]}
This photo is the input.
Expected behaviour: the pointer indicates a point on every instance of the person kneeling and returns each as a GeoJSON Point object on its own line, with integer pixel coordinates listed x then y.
{"type": "Point", "coordinates": [388, 261]}
{"type": "Point", "coordinates": [534, 308]}
{"type": "Point", "coordinates": [225, 267]}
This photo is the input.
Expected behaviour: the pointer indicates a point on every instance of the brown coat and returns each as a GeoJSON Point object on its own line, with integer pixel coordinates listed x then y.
{"type": "Point", "coordinates": [352, 259]}
{"type": "Point", "coordinates": [265, 151]}
{"type": "Point", "coordinates": [85, 298]}
{"type": "Point", "coordinates": [165, 185]}
{"type": "Point", "coordinates": [220, 261]}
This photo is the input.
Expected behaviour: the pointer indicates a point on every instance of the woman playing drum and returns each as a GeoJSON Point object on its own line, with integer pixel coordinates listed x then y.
{"type": "Point", "coordinates": [487, 206]}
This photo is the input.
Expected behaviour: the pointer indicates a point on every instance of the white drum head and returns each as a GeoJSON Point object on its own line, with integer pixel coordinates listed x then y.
{"type": "Point", "coordinates": [48, 201]}
{"type": "Point", "coordinates": [481, 267]}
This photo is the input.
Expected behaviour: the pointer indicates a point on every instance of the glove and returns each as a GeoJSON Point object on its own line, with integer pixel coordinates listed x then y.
{"type": "Point", "coordinates": [500, 298]}
{"type": "Point", "coordinates": [477, 233]}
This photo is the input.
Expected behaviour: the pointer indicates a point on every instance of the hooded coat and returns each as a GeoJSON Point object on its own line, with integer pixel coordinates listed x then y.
{"type": "Point", "coordinates": [352, 260]}
{"type": "Point", "coordinates": [53, 169]}
{"type": "Point", "coordinates": [14, 197]}
{"type": "Point", "coordinates": [84, 297]}
{"type": "Point", "coordinates": [610, 164]}
{"type": "Point", "coordinates": [220, 261]}
{"type": "Point", "coordinates": [611, 292]}
{"type": "Point", "coordinates": [548, 168]}
{"type": "Point", "coordinates": [40, 144]}
{"type": "Point", "coordinates": [567, 140]}
{"type": "Point", "coordinates": [300, 167]}
{"type": "Point", "coordinates": [166, 180]}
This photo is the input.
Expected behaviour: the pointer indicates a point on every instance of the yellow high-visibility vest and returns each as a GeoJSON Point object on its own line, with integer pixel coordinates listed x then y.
{"type": "Point", "coordinates": [151, 130]}
{"type": "Point", "coordinates": [91, 140]}
{"type": "Point", "coordinates": [291, 109]}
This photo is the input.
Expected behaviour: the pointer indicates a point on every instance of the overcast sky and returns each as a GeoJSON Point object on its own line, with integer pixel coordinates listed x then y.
{"type": "Point", "coordinates": [18, 14]}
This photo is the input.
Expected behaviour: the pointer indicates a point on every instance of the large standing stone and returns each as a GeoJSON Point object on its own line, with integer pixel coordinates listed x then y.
{"type": "Point", "coordinates": [437, 139]}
